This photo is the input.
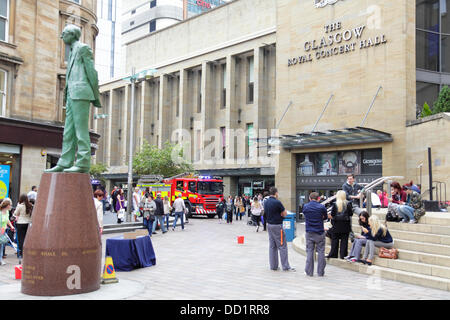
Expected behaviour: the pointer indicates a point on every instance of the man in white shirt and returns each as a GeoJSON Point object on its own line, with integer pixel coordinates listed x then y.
{"type": "Point", "coordinates": [32, 195]}
{"type": "Point", "coordinates": [179, 208]}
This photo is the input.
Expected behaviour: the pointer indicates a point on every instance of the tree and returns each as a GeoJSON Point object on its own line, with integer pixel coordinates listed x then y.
{"type": "Point", "coordinates": [167, 161]}
{"type": "Point", "coordinates": [97, 170]}
{"type": "Point", "coordinates": [442, 104]}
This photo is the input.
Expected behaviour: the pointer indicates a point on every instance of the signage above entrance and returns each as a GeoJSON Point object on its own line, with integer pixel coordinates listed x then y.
{"type": "Point", "coordinates": [336, 41]}
{"type": "Point", "coordinates": [323, 3]}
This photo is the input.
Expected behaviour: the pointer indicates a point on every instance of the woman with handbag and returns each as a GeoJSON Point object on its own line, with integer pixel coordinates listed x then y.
{"type": "Point", "coordinates": [341, 214]}
{"type": "Point", "coordinates": [120, 206]}
{"type": "Point", "coordinates": [23, 218]}
{"type": "Point", "coordinates": [5, 207]}
{"type": "Point", "coordinates": [379, 237]}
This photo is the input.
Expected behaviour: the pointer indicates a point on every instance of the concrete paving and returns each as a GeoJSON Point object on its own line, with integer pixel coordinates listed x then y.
{"type": "Point", "coordinates": [205, 262]}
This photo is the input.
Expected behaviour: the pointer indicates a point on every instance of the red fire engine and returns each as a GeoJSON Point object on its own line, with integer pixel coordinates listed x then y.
{"type": "Point", "coordinates": [200, 193]}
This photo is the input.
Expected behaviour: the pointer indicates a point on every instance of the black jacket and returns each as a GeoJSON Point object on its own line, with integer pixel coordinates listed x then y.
{"type": "Point", "coordinates": [352, 191]}
{"type": "Point", "coordinates": [342, 221]}
{"type": "Point", "coordinates": [159, 207]}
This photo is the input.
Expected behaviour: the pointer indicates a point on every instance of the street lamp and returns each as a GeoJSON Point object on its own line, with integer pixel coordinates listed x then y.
{"type": "Point", "coordinates": [143, 75]}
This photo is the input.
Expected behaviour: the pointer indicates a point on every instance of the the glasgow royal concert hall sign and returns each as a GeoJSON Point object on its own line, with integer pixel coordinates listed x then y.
{"type": "Point", "coordinates": [323, 3]}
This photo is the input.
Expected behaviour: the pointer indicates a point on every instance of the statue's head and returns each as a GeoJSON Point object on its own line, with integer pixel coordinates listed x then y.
{"type": "Point", "coordinates": [70, 34]}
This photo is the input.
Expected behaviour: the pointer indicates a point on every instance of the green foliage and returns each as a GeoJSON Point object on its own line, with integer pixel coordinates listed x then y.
{"type": "Point", "coordinates": [97, 169]}
{"type": "Point", "coordinates": [426, 111]}
{"type": "Point", "coordinates": [443, 102]}
{"type": "Point", "coordinates": [167, 161]}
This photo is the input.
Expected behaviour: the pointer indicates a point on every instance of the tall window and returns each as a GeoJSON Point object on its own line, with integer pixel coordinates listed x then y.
{"type": "Point", "coordinates": [432, 49]}
{"type": "Point", "coordinates": [199, 86]}
{"type": "Point", "coordinates": [224, 87]}
{"type": "Point", "coordinates": [251, 79]}
{"type": "Point", "coordinates": [3, 81]}
{"type": "Point", "coordinates": [153, 4]}
{"type": "Point", "coordinates": [152, 25]}
{"type": "Point", "coordinates": [223, 141]}
{"type": "Point", "coordinates": [4, 20]}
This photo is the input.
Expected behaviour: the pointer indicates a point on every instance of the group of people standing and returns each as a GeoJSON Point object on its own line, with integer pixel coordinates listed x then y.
{"type": "Point", "coordinates": [242, 206]}
{"type": "Point", "coordinates": [16, 221]}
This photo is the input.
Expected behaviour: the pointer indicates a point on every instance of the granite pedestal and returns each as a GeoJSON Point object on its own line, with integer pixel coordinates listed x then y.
{"type": "Point", "coordinates": [62, 250]}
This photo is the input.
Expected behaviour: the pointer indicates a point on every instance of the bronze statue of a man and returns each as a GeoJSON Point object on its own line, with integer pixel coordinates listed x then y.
{"type": "Point", "coordinates": [81, 89]}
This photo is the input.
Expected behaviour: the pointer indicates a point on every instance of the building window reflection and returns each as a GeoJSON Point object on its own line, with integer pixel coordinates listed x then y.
{"type": "Point", "coordinates": [432, 49]}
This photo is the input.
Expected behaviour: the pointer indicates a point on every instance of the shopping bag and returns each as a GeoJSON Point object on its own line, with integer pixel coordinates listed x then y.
{"type": "Point", "coordinates": [121, 214]}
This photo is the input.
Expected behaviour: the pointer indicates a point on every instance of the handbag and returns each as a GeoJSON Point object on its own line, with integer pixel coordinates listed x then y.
{"type": "Point", "coordinates": [3, 237]}
{"type": "Point", "coordinates": [388, 253]}
{"type": "Point", "coordinates": [121, 214]}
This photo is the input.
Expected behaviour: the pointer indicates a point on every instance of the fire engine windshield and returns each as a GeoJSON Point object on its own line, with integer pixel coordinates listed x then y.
{"type": "Point", "coordinates": [206, 187]}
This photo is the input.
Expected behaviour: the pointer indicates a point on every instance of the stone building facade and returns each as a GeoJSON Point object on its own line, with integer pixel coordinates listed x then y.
{"type": "Point", "coordinates": [33, 62]}
{"type": "Point", "coordinates": [286, 93]}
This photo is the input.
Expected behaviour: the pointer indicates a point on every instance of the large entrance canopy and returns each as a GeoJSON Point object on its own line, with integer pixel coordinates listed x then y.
{"type": "Point", "coordinates": [329, 138]}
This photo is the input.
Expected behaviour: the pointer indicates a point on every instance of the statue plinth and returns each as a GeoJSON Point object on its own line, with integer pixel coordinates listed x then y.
{"type": "Point", "coordinates": [62, 250]}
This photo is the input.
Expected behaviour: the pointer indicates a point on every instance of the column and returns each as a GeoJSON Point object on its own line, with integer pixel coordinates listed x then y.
{"type": "Point", "coordinates": [124, 126]}
{"type": "Point", "coordinates": [108, 129]}
{"type": "Point", "coordinates": [231, 112]}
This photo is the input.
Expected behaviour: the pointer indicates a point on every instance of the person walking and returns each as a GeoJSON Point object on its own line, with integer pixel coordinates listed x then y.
{"type": "Point", "coordinates": [159, 214]}
{"type": "Point", "coordinates": [276, 212]}
{"type": "Point", "coordinates": [256, 211]}
{"type": "Point", "coordinates": [5, 207]}
{"type": "Point", "coordinates": [229, 209]}
{"type": "Point", "coordinates": [265, 196]}
{"type": "Point", "coordinates": [98, 196]}
{"type": "Point", "coordinates": [220, 208]}
{"type": "Point", "coordinates": [32, 195]}
{"type": "Point", "coordinates": [315, 214]}
{"type": "Point", "coordinates": [120, 205]}
{"type": "Point", "coordinates": [149, 213]}
{"type": "Point", "coordinates": [180, 208]}
{"type": "Point", "coordinates": [114, 198]}
{"type": "Point", "coordinates": [136, 203]}
{"type": "Point", "coordinates": [167, 211]}
{"type": "Point", "coordinates": [341, 213]}
{"type": "Point", "coordinates": [23, 219]}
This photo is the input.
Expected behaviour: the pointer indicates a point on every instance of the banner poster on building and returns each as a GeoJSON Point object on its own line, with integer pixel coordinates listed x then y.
{"type": "Point", "coordinates": [372, 161]}
{"type": "Point", "coordinates": [306, 165]}
{"type": "Point", "coordinates": [4, 181]}
{"type": "Point", "coordinates": [327, 164]}
{"type": "Point", "coordinates": [349, 162]}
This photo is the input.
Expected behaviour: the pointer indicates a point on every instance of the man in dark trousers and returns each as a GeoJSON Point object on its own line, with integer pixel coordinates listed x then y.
{"type": "Point", "coordinates": [275, 213]}
{"type": "Point", "coordinates": [315, 214]}
{"type": "Point", "coordinates": [159, 214]}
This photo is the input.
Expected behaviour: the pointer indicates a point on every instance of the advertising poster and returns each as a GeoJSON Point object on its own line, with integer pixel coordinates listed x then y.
{"type": "Point", "coordinates": [4, 181]}
{"type": "Point", "coordinates": [349, 162]}
{"type": "Point", "coordinates": [306, 165]}
{"type": "Point", "coordinates": [327, 164]}
{"type": "Point", "coordinates": [372, 161]}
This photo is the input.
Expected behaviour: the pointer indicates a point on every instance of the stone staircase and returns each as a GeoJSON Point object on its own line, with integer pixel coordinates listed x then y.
{"type": "Point", "coordinates": [424, 251]}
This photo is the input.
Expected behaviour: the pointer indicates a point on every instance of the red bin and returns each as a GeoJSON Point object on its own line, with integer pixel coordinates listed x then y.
{"type": "Point", "coordinates": [241, 239]}
{"type": "Point", "coordinates": [18, 271]}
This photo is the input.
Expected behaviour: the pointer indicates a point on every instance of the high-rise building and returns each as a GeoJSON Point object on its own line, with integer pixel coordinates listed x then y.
{"type": "Point", "coordinates": [107, 58]}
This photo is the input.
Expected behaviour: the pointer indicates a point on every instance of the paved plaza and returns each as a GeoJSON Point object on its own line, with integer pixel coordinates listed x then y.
{"type": "Point", "coordinates": [205, 262]}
